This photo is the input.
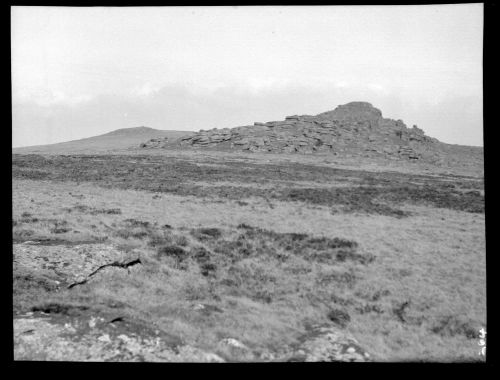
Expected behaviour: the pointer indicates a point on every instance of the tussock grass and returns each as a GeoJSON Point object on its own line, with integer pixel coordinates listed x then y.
{"type": "Point", "coordinates": [372, 193]}
{"type": "Point", "coordinates": [29, 288]}
{"type": "Point", "coordinates": [452, 325]}
{"type": "Point", "coordinates": [172, 251]}
{"type": "Point", "coordinates": [60, 308]}
{"type": "Point", "coordinates": [339, 317]}
{"type": "Point", "coordinates": [269, 271]}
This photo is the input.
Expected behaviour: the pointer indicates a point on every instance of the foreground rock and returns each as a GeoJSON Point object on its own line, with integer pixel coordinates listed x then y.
{"type": "Point", "coordinates": [78, 332]}
{"type": "Point", "coordinates": [355, 126]}
{"type": "Point", "coordinates": [57, 331]}
{"type": "Point", "coordinates": [42, 336]}
{"type": "Point", "coordinates": [329, 344]}
{"type": "Point", "coordinates": [85, 337]}
{"type": "Point", "coordinates": [70, 266]}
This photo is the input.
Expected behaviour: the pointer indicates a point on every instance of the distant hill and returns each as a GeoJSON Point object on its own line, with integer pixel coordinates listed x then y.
{"type": "Point", "coordinates": [119, 139]}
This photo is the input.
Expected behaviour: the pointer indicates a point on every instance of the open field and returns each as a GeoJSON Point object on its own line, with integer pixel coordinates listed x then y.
{"type": "Point", "coordinates": [268, 246]}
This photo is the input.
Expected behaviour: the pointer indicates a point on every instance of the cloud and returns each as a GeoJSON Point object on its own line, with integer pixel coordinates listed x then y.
{"type": "Point", "coordinates": [78, 72]}
{"type": "Point", "coordinates": [46, 98]}
{"type": "Point", "coordinates": [175, 107]}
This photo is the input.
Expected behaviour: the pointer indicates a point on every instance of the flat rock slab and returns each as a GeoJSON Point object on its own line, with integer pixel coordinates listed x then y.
{"type": "Point", "coordinates": [47, 337]}
{"type": "Point", "coordinates": [67, 263]}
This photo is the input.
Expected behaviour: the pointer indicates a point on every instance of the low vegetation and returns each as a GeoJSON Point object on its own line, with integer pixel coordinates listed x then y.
{"type": "Point", "coordinates": [396, 259]}
{"type": "Point", "coordinates": [365, 192]}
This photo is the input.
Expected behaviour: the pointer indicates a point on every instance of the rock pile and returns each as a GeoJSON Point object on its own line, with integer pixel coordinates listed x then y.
{"type": "Point", "coordinates": [155, 143]}
{"type": "Point", "coordinates": [356, 125]}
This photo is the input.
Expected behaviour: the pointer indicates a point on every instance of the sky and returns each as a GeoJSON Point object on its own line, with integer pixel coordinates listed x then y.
{"type": "Point", "coordinates": [79, 72]}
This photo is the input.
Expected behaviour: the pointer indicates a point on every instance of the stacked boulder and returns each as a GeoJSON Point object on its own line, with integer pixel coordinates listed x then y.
{"type": "Point", "coordinates": [353, 126]}
{"type": "Point", "coordinates": [155, 143]}
{"type": "Point", "coordinates": [408, 152]}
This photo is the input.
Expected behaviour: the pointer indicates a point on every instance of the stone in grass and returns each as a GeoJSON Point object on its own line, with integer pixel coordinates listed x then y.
{"type": "Point", "coordinates": [339, 317]}
{"type": "Point", "coordinates": [328, 344]}
{"type": "Point", "coordinates": [207, 309]}
{"type": "Point", "coordinates": [231, 342]}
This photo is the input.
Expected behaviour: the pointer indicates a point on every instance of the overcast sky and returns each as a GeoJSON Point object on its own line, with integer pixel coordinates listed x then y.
{"type": "Point", "coordinates": [79, 72]}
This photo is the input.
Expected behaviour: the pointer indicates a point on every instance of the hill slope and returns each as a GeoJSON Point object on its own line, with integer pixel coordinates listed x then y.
{"type": "Point", "coordinates": [119, 139]}
{"type": "Point", "coordinates": [352, 129]}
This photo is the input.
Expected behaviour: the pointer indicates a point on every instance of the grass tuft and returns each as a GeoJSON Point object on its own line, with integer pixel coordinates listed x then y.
{"type": "Point", "coordinates": [339, 317]}
{"type": "Point", "coordinates": [452, 325]}
{"type": "Point", "coordinates": [172, 251]}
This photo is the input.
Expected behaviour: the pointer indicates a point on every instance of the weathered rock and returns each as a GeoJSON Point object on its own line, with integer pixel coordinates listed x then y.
{"type": "Point", "coordinates": [408, 152]}
{"type": "Point", "coordinates": [57, 331]}
{"type": "Point", "coordinates": [233, 349]}
{"type": "Point", "coordinates": [349, 125]}
{"type": "Point", "coordinates": [328, 344]}
{"type": "Point", "coordinates": [155, 143]}
{"type": "Point", "coordinates": [47, 337]}
{"type": "Point", "coordinates": [234, 343]}
{"type": "Point", "coordinates": [69, 264]}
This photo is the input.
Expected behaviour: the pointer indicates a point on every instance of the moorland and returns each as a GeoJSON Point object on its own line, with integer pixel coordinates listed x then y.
{"type": "Point", "coordinates": [249, 248]}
